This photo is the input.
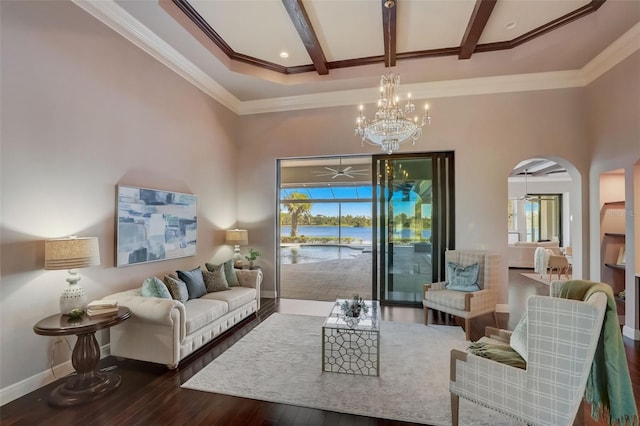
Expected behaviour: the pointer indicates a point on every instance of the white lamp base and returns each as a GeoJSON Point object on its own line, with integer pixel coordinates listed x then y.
{"type": "Point", "coordinates": [237, 258]}
{"type": "Point", "coordinates": [74, 296]}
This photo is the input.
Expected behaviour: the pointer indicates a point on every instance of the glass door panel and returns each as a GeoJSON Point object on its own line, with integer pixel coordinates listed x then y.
{"type": "Point", "coordinates": [404, 217]}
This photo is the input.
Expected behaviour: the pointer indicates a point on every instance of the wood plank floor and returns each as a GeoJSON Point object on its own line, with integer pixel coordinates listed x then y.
{"type": "Point", "coordinates": [151, 395]}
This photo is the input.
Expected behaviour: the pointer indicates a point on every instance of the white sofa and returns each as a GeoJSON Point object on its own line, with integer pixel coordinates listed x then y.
{"type": "Point", "coordinates": [521, 254]}
{"type": "Point", "coordinates": [165, 331]}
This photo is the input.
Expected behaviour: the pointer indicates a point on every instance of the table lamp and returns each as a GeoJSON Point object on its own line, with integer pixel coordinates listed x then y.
{"type": "Point", "coordinates": [72, 253]}
{"type": "Point", "coordinates": [237, 237]}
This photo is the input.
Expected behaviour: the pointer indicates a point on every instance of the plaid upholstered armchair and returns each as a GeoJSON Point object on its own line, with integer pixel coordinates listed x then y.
{"type": "Point", "coordinates": [561, 338]}
{"type": "Point", "coordinates": [469, 289]}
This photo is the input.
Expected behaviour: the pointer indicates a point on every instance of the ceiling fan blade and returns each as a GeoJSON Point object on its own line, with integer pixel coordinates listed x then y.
{"type": "Point", "coordinates": [347, 169]}
{"type": "Point", "coordinates": [332, 170]}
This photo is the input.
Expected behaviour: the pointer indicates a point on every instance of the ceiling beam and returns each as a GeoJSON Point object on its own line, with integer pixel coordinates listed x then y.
{"type": "Point", "coordinates": [475, 27]}
{"type": "Point", "coordinates": [389, 8]}
{"type": "Point", "coordinates": [549, 169]}
{"type": "Point", "coordinates": [301, 21]}
{"type": "Point", "coordinates": [526, 168]}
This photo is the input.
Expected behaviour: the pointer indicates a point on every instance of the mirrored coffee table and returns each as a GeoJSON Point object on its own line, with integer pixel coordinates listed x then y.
{"type": "Point", "coordinates": [352, 348]}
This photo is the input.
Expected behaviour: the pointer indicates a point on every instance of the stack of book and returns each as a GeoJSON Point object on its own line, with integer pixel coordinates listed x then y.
{"type": "Point", "coordinates": [102, 307]}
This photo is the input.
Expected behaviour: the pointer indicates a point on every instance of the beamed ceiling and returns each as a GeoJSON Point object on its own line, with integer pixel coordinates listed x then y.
{"type": "Point", "coordinates": [389, 30]}
{"type": "Point", "coordinates": [337, 49]}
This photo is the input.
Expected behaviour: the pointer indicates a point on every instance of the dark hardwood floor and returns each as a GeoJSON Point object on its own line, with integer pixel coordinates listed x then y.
{"type": "Point", "coordinates": [151, 395]}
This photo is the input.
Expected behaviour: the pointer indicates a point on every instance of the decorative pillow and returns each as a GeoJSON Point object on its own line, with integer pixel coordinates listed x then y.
{"type": "Point", "coordinates": [518, 340]}
{"type": "Point", "coordinates": [229, 272]}
{"type": "Point", "coordinates": [462, 278]}
{"type": "Point", "coordinates": [154, 287]}
{"type": "Point", "coordinates": [177, 288]}
{"type": "Point", "coordinates": [215, 281]}
{"type": "Point", "coordinates": [194, 281]}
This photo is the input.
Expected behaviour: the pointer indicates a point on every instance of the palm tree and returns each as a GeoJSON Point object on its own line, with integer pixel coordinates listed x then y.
{"type": "Point", "coordinates": [298, 211]}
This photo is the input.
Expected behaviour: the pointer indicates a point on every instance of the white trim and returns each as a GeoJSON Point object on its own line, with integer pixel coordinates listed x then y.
{"type": "Point", "coordinates": [39, 380]}
{"type": "Point", "coordinates": [110, 13]}
{"type": "Point", "coordinates": [119, 20]}
{"type": "Point", "coordinates": [630, 333]}
{"type": "Point", "coordinates": [502, 308]}
{"type": "Point", "coordinates": [618, 51]}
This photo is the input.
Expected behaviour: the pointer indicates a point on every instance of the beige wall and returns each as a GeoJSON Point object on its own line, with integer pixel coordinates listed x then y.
{"type": "Point", "coordinates": [490, 135]}
{"type": "Point", "coordinates": [614, 133]}
{"type": "Point", "coordinates": [82, 111]}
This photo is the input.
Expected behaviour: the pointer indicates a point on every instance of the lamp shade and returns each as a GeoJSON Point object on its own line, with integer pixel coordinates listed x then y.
{"type": "Point", "coordinates": [71, 253]}
{"type": "Point", "coordinates": [238, 237]}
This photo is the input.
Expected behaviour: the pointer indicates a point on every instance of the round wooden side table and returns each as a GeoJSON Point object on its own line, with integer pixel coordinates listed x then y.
{"type": "Point", "coordinates": [88, 384]}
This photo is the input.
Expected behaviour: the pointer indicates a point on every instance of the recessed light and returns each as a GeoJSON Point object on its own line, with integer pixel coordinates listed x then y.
{"type": "Point", "coordinates": [511, 25]}
{"type": "Point", "coordinates": [284, 54]}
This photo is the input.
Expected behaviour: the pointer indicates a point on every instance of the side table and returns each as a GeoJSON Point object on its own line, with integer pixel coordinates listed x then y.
{"type": "Point", "coordinates": [88, 384]}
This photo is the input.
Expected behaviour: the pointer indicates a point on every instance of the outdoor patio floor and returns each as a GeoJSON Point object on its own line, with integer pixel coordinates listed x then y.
{"type": "Point", "coordinates": [342, 278]}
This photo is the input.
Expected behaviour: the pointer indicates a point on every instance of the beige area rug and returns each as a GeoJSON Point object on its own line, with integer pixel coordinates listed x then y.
{"type": "Point", "coordinates": [280, 361]}
{"type": "Point", "coordinates": [545, 278]}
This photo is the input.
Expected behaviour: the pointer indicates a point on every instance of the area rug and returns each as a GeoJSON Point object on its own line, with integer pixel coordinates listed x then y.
{"type": "Point", "coordinates": [280, 361]}
{"type": "Point", "coordinates": [544, 279]}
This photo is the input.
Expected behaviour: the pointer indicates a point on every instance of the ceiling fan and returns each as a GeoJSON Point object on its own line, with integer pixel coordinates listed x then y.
{"type": "Point", "coordinates": [527, 196]}
{"type": "Point", "coordinates": [346, 172]}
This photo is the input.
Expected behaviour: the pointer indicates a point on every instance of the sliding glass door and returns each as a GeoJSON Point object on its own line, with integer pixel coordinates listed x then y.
{"type": "Point", "coordinates": [413, 215]}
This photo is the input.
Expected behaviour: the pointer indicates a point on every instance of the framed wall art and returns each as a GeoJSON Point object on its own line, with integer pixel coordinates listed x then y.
{"type": "Point", "coordinates": [154, 225]}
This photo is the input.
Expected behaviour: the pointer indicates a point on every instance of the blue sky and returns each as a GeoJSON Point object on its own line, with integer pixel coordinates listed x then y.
{"type": "Point", "coordinates": [354, 209]}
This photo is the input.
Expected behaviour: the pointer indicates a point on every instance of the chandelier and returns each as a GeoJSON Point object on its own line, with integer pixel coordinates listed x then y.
{"type": "Point", "coordinates": [392, 124]}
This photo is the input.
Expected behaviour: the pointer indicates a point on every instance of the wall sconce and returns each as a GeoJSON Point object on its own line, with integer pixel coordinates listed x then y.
{"type": "Point", "coordinates": [72, 253]}
{"type": "Point", "coordinates": [237, 238]}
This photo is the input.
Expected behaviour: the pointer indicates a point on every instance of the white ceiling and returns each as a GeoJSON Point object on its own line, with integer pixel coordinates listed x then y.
{"type": "Point", "coordinates": [353, 29]}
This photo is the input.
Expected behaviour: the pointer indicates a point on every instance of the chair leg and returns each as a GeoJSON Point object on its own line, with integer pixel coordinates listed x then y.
{"type": "Point", "coordinates": [467, 328]}
{"type": "Point", "coordinates": [495, 317]}
{"type": "Point", "coordinates": [455, 405]}
{"type": "Point", "coordinates": [426, 316]}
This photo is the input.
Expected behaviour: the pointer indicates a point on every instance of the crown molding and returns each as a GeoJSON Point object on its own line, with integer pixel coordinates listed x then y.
{"type": "Point", "coordinates": [119, 20]}
{"type": "Point", "coordinates": [618, 51]}
{"type": "Point", "coordinates": [114, 16]}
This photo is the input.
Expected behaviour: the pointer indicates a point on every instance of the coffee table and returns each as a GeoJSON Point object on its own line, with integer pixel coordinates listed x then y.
{"type": "Point", "coordinates": [352, 348]}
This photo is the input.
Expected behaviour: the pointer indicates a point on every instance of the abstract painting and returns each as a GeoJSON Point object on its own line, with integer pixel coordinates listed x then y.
{"type": "Point", "coordinates": [154, 225]}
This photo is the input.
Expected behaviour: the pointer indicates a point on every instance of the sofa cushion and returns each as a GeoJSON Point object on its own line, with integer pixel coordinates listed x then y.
{"type": "Point", "coordinates": [228, 270]}
{"type": "Point", "coordinates": [449, 298]}
{"type": "Point", "coordinates": [462, 278]}
{"type": "Point", "coordinates": [177, 288]}
{"type": "Point", "coordinates": [154, 287]}
{"type": "Point", "coordinates": [215, 281]}
{"type": "Point", "coordinates": [235, 297]}
{"type": "Point", "coordinates": [194, 281]}
{"type": "Point", "coordinates": [200, 312]}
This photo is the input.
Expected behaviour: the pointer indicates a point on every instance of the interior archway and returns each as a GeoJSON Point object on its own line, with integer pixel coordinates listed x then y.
{"type": "Point", "coordinates": [539, 181]}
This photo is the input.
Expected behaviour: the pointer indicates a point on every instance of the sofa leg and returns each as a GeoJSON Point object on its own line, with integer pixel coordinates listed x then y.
{"type": "Point", "coordinates": [455, 404]}
{"type": "Point", "coordinates": [426, 316]}
{"type": "Point", "coordinates": [467, 328]}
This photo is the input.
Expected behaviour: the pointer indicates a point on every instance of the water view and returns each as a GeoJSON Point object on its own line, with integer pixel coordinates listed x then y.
{"type": "Point", "coordinates": [350, 234]}
{"type": "Point", "coordinates": [316, 253]}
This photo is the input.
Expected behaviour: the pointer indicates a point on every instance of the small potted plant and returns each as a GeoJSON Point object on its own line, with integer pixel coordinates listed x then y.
{"type": "Point", "coordinates": [353, 310]}
{"type": "Point", "coordinates": [252, 256]}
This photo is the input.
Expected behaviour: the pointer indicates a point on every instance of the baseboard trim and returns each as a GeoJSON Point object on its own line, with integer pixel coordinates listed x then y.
{"type": "Point", "coordinates": [630, 333]}
{"type": "Point", "coordinates": [502, 308]}
{"type": "Point", "coordinates": [268, 294]}
{"type": "Point", "coordinates": [35, 382]}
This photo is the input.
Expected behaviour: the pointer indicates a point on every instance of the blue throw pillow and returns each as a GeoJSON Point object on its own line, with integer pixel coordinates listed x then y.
{"type": "Point", "coordinates": [154, 287]}
{"type": "Point", "coordinates": [462, 278]}
{"type": "Point", "coordinates": [194, 281]}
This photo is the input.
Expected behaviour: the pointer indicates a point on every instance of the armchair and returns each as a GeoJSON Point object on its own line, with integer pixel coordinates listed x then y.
{"type": "Point", "coordinates": [561, 339]}
{"type": "Point", "coordinates": [465, 304]}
